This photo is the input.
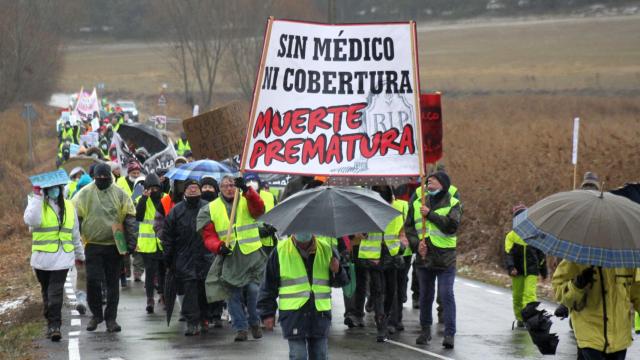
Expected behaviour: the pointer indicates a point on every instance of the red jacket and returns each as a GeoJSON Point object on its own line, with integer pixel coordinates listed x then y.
{"type": "Point", "coordinates": [209, 234]}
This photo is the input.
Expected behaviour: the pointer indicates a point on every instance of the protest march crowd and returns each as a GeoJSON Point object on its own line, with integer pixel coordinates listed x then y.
{"type": "Point", "coordinates": [211, 238]}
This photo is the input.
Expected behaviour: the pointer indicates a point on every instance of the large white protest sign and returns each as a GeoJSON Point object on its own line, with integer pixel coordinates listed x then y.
{"type": "Point", "coordinates": [162, 160]}
{"type": "Point", "coordinates": [87, 106]}
{"type": "Point", "coordinates": [336, 100]}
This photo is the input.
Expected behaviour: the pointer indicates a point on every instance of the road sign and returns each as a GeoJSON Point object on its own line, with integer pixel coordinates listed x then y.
{"type": "Point", "coordinates": [162, 100]}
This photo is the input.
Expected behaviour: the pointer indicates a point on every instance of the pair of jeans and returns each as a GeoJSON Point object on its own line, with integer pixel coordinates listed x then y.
{"type": "Point", "coordinates": [446, 277]}
{"type": "Point", "coordinates": [103, 266]}
{"type": "Point", "coordinates": [194, 305]}
{"type": "Point", "coordinates": [236, 305]}
{"type": "Point", "coordinates": [52, 288]}
{"type": "Point", "coordinates": [151, 272]}
{"type": "Point", "coordinates": [308, 349]}
{"type": "Point", "coordinates": [593, 354]}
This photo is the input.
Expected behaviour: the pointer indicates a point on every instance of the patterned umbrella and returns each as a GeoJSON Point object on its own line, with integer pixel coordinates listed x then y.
{"type": "Point", "coordinates": [197, 169]}
{"type": "Point", "coordinates": [586, 227]}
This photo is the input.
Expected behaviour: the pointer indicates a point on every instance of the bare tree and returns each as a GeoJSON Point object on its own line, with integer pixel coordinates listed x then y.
{"type": "Point", "coordinates": [199, 38]}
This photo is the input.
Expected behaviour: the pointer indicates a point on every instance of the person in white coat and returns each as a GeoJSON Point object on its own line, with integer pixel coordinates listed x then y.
{"type": "Point", "coordinates": [55, 248]}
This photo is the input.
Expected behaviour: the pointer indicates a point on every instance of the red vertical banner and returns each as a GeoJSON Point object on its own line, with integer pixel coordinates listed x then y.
{"type": "Point", "coordinates": [431, 123]}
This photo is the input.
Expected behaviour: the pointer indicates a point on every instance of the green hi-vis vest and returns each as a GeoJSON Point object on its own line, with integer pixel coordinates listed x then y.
{"type": "Point", "coordinates": [183, 146]}
{"type": "Point", "coordinates": [331, 241]}
{"type": "Point", "coordinates": [295, 289]}
{"type": "Point", "coordinates": [67, 135]}
{"type": "Point", "coordinates": [124, 185]}
{"type": "Point", "coordinates": [371, 247]}
{"type": "Point", "coordinates": [148, 242]}
{"type": "Point", "coordinates": [438, 238]}
{"type": "Point", "coordinates": [453, 191]}
{"type": "Point", "coordinates": [71, 188]}
{"type": "Point", "coordinates": [269, 203]}
{"type": "Point", "coordinates": [49, 236]}
{"type": "Point", "coordinates": [245, 229]}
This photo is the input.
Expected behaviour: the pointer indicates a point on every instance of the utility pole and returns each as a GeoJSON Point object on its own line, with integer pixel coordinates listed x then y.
{"type": "Point", "coordinates": [331, 11]}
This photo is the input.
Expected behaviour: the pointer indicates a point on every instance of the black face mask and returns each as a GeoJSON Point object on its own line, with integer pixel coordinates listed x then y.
{"type": "Point", "coordinates": [176, 197]}
{"type": "Point", "coordinates": [192, 201]}
{"type": "Point", "coordinates": [103, 183]}
{"type": "Point", "coordinates": [209, 195]}
{"type": "Point", "coordinates": [155, 196]}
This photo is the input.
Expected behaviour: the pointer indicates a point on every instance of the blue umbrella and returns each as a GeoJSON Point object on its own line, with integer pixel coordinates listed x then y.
{"type": "Point", "coordinates": [198, 169]}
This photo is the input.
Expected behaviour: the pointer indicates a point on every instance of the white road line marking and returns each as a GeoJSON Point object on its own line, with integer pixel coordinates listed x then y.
{"type": "Point", "coordinates": [75, 313]}
{"type": "Point", "coordinates": [69, 291]}
{"type": "Point", "coordinates": [71, 296]}
{"type": "Point", "coordinates": [68, 285]}
{"type": "Point", "coordinates": [74, 349]}
{"type": "Point", "coordinates": [472, 285]}
{"type": "Point", "coordinates": [495, 292]}
{"type": "Point", "coordinates": [76, 322]}
{"type": "Point", "coordinates": [419, 350]}
{"type": "Point", "coordinates": [74, 333]}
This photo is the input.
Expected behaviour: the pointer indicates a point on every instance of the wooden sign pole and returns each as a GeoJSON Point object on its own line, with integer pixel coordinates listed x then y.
{"type": "Point", "coordinates": [256, 95]}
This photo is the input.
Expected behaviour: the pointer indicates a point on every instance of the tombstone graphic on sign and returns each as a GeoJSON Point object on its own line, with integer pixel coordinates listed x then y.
{"type": "Point", "coordinates": [383, 112]}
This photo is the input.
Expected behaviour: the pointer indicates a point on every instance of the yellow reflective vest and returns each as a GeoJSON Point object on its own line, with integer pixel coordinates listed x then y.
{"type": "Point", "coordinates": [183, 146]}
{"type": "Point", "coordinates": [371, 247]}
{"type": "Point", "coordinates": [124, 185]}
{"type": "Point", "coordinates": [295, 289]}
{"type": "Point", "coordinates": [438, 238]}
{"type": "Point", "coordinates": [269, 203]}
{"type": "Point", "coordinates": [148, 242]}
{"type": "Point", "coordinates": [50, 235]}
{"type": "Point", "coordinates": [245, 229]}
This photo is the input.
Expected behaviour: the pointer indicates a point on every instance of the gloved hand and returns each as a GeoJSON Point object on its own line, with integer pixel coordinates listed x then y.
{"type": "Point", "coordinates": [224, 250]}
{"type": "Point", "coordinates": [240, 184]}
{"type": "Point", "coordinates": [266, 230]}
{"type": "Point", "coordinates": [585, 278]}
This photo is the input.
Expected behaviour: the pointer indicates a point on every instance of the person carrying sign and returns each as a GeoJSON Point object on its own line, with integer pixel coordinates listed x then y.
{"type": "Point", "coordinates": [436, 252]}
{"type": "Point", "coordinates": [242, 256]}
{"type": "Point", "coordinates": [100, 206]}
{"type": "Point", "coordinates": [300, 272]}
{"type": "Point", "coordinates": [55, 245]}
{"type": "Point", "coordinates": [380, 254]}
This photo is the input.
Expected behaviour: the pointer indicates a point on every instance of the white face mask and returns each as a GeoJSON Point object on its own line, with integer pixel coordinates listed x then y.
{"type": "Point", "coordinates": [254, 185]}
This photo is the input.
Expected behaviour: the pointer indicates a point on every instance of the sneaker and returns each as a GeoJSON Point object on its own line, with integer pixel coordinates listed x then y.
{"type": "Point", "coordinates": [150, 303]}
{"type": "Point", "coordinates": [241, 335]}
{"type": "Point", "coordinates": [81, 309]}
{"type": "Point", "coordinates": [381, 334]}
{"type": "Point", "coordinates": [192, 330]}
{"type": "Point", "coordinates": [56, 335]}
{"type": "Point", "coordinates": [425, 336]}
{"type": "Point", "coordinates": [217, 323]}
{"type": "Point", "coordinates": [93, 324]}
{"type": "Point", "coordinates": [112, 326]}
{"type": "Point", "coordinates": [256, 331]}
{"type": "Point", "coordinates": [448, 342]}
{"type": "Point", "coordinates": [350, 321]}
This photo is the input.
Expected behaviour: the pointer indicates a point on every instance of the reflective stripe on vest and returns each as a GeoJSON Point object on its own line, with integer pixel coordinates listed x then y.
{"type": "Point", "coordinates": [371, 247]}
{"type": "Point", "coordinates": [148, 242]}
{"type": "Point", "coordinates": [295, 289]}
{"type": "Point", "coordinates": [245, 230]}
{"type": "Point", "coordinates": [49, 236]}
{"type": "Point", "coordinates": [269, 203]}
{"type": "Point", "coordinates": [438, 238]}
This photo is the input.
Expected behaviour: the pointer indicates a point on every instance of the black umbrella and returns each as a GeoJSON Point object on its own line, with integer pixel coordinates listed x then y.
{"type": "Point", "coordinates": [143, 136]}
{"type": "Point", "coordinates": [331, 211]}
{"type": "Point", "coordinates": [630, 190]}
{"type": "Point", "coordinates": [170, 293]}
{"type": "Point", "coordinates": [538, 324]}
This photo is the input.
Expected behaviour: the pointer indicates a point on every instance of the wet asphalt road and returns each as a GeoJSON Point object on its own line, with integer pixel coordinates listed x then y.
{"type": "Point", "coordinates": [483, 320]}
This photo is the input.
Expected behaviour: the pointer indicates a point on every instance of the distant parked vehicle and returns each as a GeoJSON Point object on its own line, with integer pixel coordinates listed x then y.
{"type": "Point", "coordinates": [129, 109]}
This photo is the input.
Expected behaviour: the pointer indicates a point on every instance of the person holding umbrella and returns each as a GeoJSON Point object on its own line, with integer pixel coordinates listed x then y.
{"type": "Point", "coordinates": [300, 272]}
{"type": "Point", "coordinates": [241, 259]}
{"type": "Point", "coordinates": [431, 229]}
{"type": "Point", "coordinates": [187, 257]}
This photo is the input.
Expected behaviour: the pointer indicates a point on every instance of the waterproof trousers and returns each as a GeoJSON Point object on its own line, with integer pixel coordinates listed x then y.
{"type": "Point", "coordinates": [52, 289]}
{"type": "Point", "coordinates": [103, 265]}
{"type": "Point", "coordinates": [523, 289]}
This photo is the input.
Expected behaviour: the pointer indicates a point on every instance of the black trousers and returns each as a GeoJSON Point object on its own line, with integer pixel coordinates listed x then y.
{"type": "Point", "coordinates": [382, 291]}
{"type": "Point", "coordinates": [103, 265]}
{"type": "Point", "coordinates": [151, 272]}
{"type": "Point", "coordinates": [592, 354]}
{"type": "Point", "coordinates": [402, 287]}
{"type": "Point", "coordinates": [52, 288]}
{"type": "Point", "coordinates": [194, 305]}
{"type": "Point", "coordinates": [356, 303]}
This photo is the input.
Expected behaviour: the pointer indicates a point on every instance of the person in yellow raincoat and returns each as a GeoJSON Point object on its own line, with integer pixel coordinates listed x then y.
{"type": "Point", "coordinates": [599, 300]}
